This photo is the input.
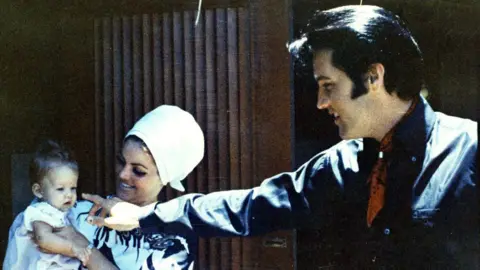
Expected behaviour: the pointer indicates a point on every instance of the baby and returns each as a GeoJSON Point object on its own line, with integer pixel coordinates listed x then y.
{"type": "Point", "coordinates": [54, 175]}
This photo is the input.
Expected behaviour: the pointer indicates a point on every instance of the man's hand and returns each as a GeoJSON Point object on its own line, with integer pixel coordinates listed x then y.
{"type": "Point", "coordinates": [123, 216]}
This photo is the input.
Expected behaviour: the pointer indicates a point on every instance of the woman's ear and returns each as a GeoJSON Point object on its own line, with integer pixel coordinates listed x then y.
{"type": "Point", "coordinates": [37, 190]}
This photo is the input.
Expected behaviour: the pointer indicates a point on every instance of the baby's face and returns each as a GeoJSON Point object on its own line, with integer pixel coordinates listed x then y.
{"type": "Point", "coordinates": [59, 188]}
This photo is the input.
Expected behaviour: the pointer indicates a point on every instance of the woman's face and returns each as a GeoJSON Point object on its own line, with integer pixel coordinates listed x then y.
{"type": "Point", "coordinates": [138, 179]}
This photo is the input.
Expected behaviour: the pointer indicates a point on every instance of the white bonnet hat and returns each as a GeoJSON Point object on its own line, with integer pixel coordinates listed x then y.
{"type": "Point", "coordinates": [175, 141]}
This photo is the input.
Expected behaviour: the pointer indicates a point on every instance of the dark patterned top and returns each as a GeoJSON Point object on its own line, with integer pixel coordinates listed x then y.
{"type": "Point", "coordinates": [136, 249]}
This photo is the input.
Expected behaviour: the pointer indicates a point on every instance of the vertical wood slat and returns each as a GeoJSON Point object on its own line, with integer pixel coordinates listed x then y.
{"type": "Point", "coordinates": [200, 106]}
{"type": "Point", "coordinates": [167, 70]}
{"type": "Point", "coordinates": [99, 154]}
{"type": "Point", "coordinates": [127, 74]}
{"type": "Point", "coordinates": [234, 132]}
{"type": "Point", "coordinates": [157, 61]}
{"type": "Point", "coordinates": [246, 144]}
{"type": "Point", "coordinates": [167, 58]}
{"type": "Point", "coordinates": [222, 115]}
{"type": "Point", "coordinates": [108, 106]}
{"type": "Point", "coordinates": [178, 67]}
{"type": "Point", "coordinates": [158, 80]}
{"type": "Point", "coordinates": [178, 62]}
{"type": "Point", "coordinates": [147, 64]}
{"type": "Point", "coordinates": [189, 77]}
{"type": "Point", "coordinates": [211, 127]}
{"type": "Point", "coordinates": [147, 60]}
{"type": "Point", "coordinates": [137, 68]}
{"type": "Point", "coordinates": [117, 87]}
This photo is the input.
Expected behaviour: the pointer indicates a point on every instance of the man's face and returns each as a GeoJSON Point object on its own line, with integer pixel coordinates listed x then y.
{"type": "Point", "coordinates": [352, 116]}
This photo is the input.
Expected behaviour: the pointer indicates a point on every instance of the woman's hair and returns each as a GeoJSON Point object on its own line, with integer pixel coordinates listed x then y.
{"type": "Point", "coordinates": [359, 37]}
{"type": "Point", "coordinates": [144, 146]}
{"type": "Point", "coordinates": [50, 155]}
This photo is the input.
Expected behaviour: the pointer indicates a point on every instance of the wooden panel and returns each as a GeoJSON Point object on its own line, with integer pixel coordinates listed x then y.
{"type": "Point", "coordinates": [147, 60]}
{"type": "Point", "coordinates": [272, 123]}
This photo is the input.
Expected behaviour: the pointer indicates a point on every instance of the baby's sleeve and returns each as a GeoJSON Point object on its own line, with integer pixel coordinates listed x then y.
{"type": "Point", "coordinates": [40, 212]}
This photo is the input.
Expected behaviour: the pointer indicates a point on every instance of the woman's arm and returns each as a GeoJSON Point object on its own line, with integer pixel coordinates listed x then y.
{"type": "Point", "coordinates": [70, 236]}
{"type": "Point", "coordinates": [97, 261]}
{"type": "Point", "coordinates": [47, 240]}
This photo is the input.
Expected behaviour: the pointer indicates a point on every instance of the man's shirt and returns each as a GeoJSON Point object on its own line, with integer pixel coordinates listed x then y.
{"type": "Point", "coordinates": [430, 216]}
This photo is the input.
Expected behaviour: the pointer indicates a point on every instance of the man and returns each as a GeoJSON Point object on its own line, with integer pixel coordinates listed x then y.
{"type": "Point", "coordinates": [398, 192]}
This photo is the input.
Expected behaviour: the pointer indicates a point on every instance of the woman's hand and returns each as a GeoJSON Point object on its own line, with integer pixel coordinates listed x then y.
{"type": "Point", "coordinates": [82, 253]}
{"type": "Point", "coordinates": [123, 216]}
{"type": "Point", "coordinates": [76, 240]}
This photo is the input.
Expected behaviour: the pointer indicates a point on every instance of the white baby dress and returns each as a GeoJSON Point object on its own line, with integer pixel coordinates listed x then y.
{"type": "Point", "coordinates": [23, 254]}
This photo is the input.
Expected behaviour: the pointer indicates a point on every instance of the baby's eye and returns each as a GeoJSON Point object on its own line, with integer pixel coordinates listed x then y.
{"type": "Point", "coordinates": [60, 189]}
{"type": "Point", "coordinates": [74, 188]}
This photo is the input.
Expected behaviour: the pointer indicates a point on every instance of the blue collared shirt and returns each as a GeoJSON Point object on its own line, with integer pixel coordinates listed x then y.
{"type": "Point", "coordinates": [430, 217]}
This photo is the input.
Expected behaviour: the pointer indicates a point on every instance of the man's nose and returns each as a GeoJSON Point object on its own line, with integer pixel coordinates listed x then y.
{"type": "Point", "coordinates": [322, 101]}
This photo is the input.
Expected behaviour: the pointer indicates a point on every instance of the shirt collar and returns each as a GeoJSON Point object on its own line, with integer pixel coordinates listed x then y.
{"type": "Point", "coordinates": [414, 131]}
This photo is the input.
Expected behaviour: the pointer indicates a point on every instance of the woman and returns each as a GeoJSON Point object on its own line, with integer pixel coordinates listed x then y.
{"type": "Point", "coordinates": [162, 148]}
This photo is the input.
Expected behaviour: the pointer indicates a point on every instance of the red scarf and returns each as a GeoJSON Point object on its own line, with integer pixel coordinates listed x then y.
{"type": "Point", "coordinates": [378, 176]}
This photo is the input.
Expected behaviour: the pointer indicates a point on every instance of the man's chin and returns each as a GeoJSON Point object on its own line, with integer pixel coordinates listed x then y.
{"type": "Point", "coordinates": [343, 135]}
{"type": "Point", "coordinates": [347, 135]}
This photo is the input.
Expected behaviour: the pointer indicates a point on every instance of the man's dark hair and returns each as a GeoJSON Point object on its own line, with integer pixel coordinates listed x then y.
{"type": "Point", "coordinates": [360, 36]}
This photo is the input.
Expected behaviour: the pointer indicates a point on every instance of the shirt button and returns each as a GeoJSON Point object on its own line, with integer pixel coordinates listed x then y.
{"type": "Point", "coordinates": [386, 231]}
{"type": "Point", "coordinates": [414, 159]}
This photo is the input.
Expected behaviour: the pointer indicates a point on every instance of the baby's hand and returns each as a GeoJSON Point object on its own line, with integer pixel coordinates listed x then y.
{"type": "Point", "coordinates": [83, 254]}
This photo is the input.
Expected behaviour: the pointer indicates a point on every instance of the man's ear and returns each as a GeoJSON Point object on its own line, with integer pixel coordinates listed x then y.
{"type": "Point", "coordinates": [375, 75]}
{"type": "Point", "coordinates": [37, 190]}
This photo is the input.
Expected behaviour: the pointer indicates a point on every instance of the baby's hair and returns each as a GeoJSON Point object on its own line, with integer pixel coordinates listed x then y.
{"type": "Point", "coordinates": [48, 156]}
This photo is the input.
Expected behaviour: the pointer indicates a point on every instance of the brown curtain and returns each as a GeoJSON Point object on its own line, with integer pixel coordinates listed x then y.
{"type": "Point", "coordinates": [147, 60]}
